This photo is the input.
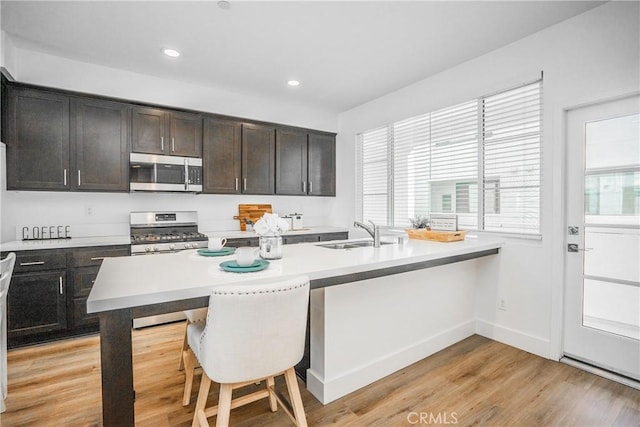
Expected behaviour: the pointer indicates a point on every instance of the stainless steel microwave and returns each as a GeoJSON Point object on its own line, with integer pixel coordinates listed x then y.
{"type": "Point", "coordinates": [151, 172]}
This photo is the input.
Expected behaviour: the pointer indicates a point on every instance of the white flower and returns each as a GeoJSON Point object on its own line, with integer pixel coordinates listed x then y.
{"type": "Point", "coordinates": [270, 224]}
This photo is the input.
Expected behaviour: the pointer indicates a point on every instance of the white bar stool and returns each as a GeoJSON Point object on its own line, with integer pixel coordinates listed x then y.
{"type": "Point", "coordinates": [252, 333]}
{"type": "Point", "coordinates": [193, 316]}
{"type": "Point", "coordinates": [6, 270]}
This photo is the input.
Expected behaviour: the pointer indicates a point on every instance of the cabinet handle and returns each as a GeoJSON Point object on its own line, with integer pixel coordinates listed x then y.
{"type": "Point", "coordinates": [236, 183]}
{"type": "Point", "coordinates": [245, 184]}
{"type": "Point", "coordinates": [64, 177]}
{"type": "Point", "coordinates": [26, 264]}
{"type": "Point", "coordinates": [310, 187]}
{"type": "Point", "coordinates": [173, 144]}
{"type": "Point", "coordinates": [60, 285]}
{"type": "Point", "coordinates": [304, 186]}
{"type": "Point", "coordinates": [162, 143]}
{"type": "Point", "coordinates": [79, 178]}
{"type": "Point", "coordinates": [98, 258]}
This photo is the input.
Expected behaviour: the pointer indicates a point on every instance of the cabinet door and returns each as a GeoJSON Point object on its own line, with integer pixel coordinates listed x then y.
{"type": "Point", "coordinates": [291, 162]}
{"type": "Point", "coordinates": [37, 140]}
{"type": "Point", "coordinates": [240, 242]}
{"type": "Point", "coordinates": [222, 156]}
{"type": "Point", "coordinates": [325, 237]}
{"type": "Point", "coordinates": [36, 303]}
{"type": "Point", "coordinates": [93, 256]}
{"type": "Point", "coordinates": [148, 131]}
{"type": "Point", "coordinates": [80, 316]}
{"type": "Point", "coordinates": [322, 165]}
{"type": "Point", "coordinates": [303, 238]}
{"type": "Point", "coordinates": [258, 159]}
{"type": "Point", "coordinates": [185, 132]}
{"type": "Point", "coordinates": [100, 145]}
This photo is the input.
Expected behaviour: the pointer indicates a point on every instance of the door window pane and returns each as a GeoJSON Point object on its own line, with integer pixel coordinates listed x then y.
{"type": "Point", "coordinates": [611, 292]}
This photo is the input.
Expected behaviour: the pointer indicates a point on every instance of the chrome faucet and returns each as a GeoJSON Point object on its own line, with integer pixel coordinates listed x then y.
{"type": "Point", "coordinates": [373, 230]}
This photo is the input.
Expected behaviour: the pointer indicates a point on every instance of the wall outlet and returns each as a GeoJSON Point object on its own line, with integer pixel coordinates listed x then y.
{"type": "Point", "coordinates": [88, 210]}
{"type": "Point", "coordinates": [502, 304]}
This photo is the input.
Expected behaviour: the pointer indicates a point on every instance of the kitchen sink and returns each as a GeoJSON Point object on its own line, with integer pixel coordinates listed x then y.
{"type": "Point", "coordinates": [352, 245]}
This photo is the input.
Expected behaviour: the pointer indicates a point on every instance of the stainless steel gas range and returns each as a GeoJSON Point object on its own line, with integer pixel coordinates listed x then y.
{"type": "Point", "coordinates": [157, 232]}
{"type": "Point", "coordinates": [163, 232]}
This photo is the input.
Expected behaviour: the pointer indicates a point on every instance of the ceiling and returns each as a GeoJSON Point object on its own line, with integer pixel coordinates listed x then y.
{"type": "Point", "coordinates": [343, 53]}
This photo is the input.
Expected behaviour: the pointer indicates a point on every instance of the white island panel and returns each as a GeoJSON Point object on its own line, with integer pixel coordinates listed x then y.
{"type": "Point", "coordinates": [366, 330]}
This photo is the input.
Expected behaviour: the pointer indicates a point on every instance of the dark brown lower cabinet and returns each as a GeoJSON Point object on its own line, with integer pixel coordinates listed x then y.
{"type": "Point", "coordinates": [302, 238]}
{"type": "Point", "coordinates": [290, 239]}
{"type": "Point", "coordinates": [47, 297]}
{"type": "Point", "coordinates": [37, 303]}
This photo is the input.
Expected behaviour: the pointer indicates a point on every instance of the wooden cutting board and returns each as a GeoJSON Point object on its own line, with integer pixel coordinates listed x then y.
{"type": "Point", "coordinates": [251, 213]}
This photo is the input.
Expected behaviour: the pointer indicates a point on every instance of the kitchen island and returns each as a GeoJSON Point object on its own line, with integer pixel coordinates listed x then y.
{"type": "Point", "coordinates": [363, 281]}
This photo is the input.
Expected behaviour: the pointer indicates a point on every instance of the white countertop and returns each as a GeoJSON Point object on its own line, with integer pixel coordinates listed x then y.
{"type": "Point", "coordinates": [79, 242]}
{"type": "Point", "coordinates": [74, 242]}
{"type": "Point", "coordinates": [126, 282]}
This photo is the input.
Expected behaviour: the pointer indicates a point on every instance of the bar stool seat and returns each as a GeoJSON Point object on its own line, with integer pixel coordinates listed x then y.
{"type": "Point", "coordinates": [252, 333]}
{"type": "Point", "coordinates": [193, 316]}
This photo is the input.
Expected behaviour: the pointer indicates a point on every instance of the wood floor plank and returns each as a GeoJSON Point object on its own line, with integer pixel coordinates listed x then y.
{"type": "Point", "coordinates": [474, 382]}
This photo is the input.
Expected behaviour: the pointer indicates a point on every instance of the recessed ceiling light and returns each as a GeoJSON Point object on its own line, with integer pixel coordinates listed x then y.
{"type": "Point", "coordinates": [223, 4]}
{"type": "Point", "coordinates": [171, 52]}
{"type": "Point", "coordinates": [293, 83]}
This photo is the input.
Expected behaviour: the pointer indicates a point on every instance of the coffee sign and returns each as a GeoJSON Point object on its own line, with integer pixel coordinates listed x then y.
{"type": "Point", "coordinates": [43, 232]}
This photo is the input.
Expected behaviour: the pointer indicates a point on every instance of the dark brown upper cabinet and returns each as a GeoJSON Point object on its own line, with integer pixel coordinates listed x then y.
{"type": "Point", "coordinates": [61, 140]}
{"type": "Point", "coordinates": [321, 169]}
{"type": "Point", "coordinates": [291, 162]}
{"type": "Point", "coordinates": [58, 142]}
{"type": "Point", "coordinates": [99, 145]}
{"type": "Point", "coordinates": [222, 156]}
{"type": "Point", "coordinates": [157, 131]}
{"type": "Point", "coordinates": [258, 159]}
{"type": "Point", "coordinates": [305, 163]}
{"type": "Point", "coordinates": [37, 138]}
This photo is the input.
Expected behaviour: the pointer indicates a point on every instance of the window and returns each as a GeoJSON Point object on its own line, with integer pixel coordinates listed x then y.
{"type": "Point", "coordinates": [480, 159]}
{"type": "Point", "coordinates": [373, 162]}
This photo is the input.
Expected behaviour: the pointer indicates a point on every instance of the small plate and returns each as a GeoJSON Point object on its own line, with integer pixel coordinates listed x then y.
{"type": "Point", "coordinates": [221, 252]}
{"type": "Point", "coordinates": [232, 266]}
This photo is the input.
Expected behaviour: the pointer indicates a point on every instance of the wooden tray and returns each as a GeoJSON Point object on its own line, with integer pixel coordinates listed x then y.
{"type": "Point", "coordinates": [251, 213]}
{"type": "Point", "coordinates": [439, 236]}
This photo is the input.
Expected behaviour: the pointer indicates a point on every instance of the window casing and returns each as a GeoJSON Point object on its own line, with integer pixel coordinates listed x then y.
{"type": "Point", "coordinates": [479, 159]}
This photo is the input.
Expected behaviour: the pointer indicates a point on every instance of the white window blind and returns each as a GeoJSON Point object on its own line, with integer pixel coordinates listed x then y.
{"type": "Point", "coordinates": [374, 164]}
{"type": "Point", "coordinates": [454, 162]}
{"type": "Point", "coordinates": [411, 169]}
{"type": "Point", "coordinates": [512, 158]}
{"type": "Point", "coordinates": [479, 159]}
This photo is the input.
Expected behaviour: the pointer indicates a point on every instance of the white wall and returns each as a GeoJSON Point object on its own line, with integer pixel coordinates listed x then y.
{"type": "Point", "coordinates": [589, 57]}
{"type": "Point", "coordinates": [110, 211]}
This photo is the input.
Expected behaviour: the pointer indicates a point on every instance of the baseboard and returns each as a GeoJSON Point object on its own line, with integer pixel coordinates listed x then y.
{"type": "Point", "coordinates": [514, 338]}
{"type": "Point", "coordinates": [327, 390]}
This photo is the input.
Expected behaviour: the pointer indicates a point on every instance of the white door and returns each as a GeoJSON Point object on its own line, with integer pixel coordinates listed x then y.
{"type": "Point", "coordinates": [602, 283]}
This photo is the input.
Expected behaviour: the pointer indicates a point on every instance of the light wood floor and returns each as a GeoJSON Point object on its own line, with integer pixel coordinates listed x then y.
{"type": "Point", "coordinates": [477, 381]}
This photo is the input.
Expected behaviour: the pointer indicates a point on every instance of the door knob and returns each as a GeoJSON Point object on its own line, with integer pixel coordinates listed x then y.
{"type": "Point", "coordinates": [573, 247]}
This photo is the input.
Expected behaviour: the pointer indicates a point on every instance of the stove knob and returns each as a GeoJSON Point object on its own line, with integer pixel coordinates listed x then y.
{"type": "Point", "coordinates": [147, 248]}
{"type": "Point", "coordinates": [188, 245]}
{"type": "Point", "coordinates": [172, 247]}
{"type": "Point", "coordinates": [155, 249]}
